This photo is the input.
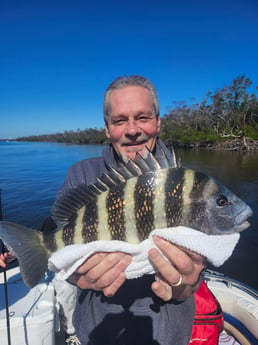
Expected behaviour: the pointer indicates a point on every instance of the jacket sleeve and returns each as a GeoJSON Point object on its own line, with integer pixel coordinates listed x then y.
{"type": "Point", "coordinates": [83, 172]}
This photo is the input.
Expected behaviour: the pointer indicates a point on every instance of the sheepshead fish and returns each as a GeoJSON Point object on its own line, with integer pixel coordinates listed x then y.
{"type": "Point", "coordinates": [126, 204]}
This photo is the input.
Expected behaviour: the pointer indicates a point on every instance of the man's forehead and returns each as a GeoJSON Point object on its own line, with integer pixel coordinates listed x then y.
{"type": "Point", "coordinates": [133, 97]}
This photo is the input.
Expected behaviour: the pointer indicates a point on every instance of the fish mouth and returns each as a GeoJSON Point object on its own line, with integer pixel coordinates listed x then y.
{"type": "Point", "coordinates": [241, 219]}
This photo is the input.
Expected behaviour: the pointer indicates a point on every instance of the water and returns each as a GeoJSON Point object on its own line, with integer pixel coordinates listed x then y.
{"type": "Point", "coordinates": [32, 173]}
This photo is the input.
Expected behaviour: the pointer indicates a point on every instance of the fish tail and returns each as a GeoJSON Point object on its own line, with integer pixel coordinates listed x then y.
{"type": "Point", "coordinates": [27, 245]}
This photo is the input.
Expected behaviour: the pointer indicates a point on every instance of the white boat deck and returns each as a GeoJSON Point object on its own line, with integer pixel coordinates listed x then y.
{"type": "Point", "coordinates": [32, 313]}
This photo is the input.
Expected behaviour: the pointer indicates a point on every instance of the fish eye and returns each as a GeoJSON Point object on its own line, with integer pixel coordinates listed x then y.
{"type": "Point", "coordinates": [222, 200]}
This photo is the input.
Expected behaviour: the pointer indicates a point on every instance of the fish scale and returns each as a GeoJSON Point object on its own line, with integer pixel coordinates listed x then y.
{"type": "Point", "coordinates": [174, 196]}
{"type": "Point", "coordinates": [89, 224]}
{"type": "Point", "coordinates": [115, 213]}
{"type": "Point", "coordinates": [144, 195]}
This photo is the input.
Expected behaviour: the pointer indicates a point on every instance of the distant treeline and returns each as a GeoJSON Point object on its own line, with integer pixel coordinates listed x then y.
{"type": "Point", "coordinates": [227, 114]}
{"type": "Point", "coordinates": [86, 136]}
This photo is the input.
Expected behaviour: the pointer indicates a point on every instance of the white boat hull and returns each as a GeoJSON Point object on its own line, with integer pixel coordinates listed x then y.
{"type": "Point", "coordinates": [32, 313]}
{"type": "Point", "coordinates": [240, 307]}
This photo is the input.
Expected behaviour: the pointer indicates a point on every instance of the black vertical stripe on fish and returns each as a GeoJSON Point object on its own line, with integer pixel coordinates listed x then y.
{"type": "Point", "coordinates": [174, 196]}
{"type": "Point", "coordinates": [49, 240]}
{"type": "Point", "coordinates": [199, 185]}
{"type": "Point", "coordinates": [144, 205]}
{"type": "Point", "coordinates": [115, 210]}
{"type": "Point", "coordinates": [68, 233]}
{"type": "Point", "coordinates": [203, 187]}
{"type": "Point", "coordinates": [90, 222]}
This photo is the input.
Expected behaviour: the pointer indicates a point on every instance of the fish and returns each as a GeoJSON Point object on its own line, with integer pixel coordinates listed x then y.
{"type": "Point", "coordinates": [126, 204]}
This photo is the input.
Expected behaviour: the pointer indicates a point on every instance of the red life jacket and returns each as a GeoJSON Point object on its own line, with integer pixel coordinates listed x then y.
{"type": "Point", "coordinates": [208, 320]}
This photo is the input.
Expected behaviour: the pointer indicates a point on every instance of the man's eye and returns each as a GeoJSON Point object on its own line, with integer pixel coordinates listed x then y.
{"type": "Point", "coordinates": [144, 118]}
{"type": "Point", "coordinates": [118, 122]}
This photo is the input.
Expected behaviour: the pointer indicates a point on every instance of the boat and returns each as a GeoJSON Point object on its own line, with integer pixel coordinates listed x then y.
{"type": "Point", "coordinates": [239, 303]}
{"type": "Point", "coordinates": [30, 316]}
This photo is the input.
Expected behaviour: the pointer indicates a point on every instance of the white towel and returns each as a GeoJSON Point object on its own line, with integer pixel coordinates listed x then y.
{"type": "Point", "coordinates": [216, 248]}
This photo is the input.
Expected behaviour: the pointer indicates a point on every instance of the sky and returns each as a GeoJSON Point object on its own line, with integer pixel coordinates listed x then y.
{"type": "Point", "coordinates": [57, 56]}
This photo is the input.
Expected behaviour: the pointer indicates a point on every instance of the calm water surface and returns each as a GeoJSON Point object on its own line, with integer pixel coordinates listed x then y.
{"type": "Point", "coordinates": [32, 173]}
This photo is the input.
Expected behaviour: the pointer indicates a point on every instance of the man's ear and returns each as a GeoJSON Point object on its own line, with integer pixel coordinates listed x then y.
{"type": "Point", "coordinates": [107, 132]}
{"type": "Point", "coordinates": [158, 124]}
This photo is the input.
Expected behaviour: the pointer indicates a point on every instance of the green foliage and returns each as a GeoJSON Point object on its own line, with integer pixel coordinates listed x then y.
{"type": "Point", "coordinates": [252, 132]}
{"type": "Point", "coordinates": [87, 136]}
{"type": "Point", "coordinates": [228, 113]}
{"type": "Point", "coordinates": [189, 135]}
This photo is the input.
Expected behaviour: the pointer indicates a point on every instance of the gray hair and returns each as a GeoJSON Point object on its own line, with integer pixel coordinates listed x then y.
{"type": "Point", "coordinates": [133, 80]}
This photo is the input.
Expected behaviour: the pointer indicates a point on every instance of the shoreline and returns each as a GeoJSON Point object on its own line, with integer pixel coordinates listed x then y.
{"type": "Point", "coordinates": [248, 145]}
{"type": "Point", "coordinates": [243, 144]}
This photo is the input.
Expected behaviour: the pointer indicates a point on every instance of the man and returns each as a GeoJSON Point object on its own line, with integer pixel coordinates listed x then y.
{"type": "Point", "coordinates": [148, 310]}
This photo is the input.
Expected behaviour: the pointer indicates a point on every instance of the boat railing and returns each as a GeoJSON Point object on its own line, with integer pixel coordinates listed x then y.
{"type": "Point", "coordinates": [211, 275]}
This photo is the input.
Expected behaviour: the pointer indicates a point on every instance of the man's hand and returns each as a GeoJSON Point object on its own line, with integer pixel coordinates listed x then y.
{"type": "Point", "coordinates": [102, 271]}
{"type": "Point", "coordinates": [181, 265]}
{"type": "Point", "coordinates": [5, 258]}
{"type": "Point", "coordinates": [2, 260]}
{"type": "Point", "coordinates": [105, 271]}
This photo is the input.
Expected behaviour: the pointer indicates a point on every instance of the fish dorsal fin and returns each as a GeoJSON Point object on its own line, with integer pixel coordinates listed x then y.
{"type": "Point", "coordinates": [167, 159]}
{"type": "Point", "coordinates": [148, 163]}
{"type": "Point", "coordinates": [66, 207]}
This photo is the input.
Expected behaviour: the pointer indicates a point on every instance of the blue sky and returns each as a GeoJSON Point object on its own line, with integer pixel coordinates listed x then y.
{"type": "Point", "coordinates": [57, 57]}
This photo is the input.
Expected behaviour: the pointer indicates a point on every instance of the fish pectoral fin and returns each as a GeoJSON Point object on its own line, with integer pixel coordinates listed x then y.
{"type": "Point", "coordinates": [27, 245]}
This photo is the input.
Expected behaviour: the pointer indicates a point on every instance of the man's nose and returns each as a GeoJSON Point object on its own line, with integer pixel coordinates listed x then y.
{"type": "Point", "coordinates": [132, 128]}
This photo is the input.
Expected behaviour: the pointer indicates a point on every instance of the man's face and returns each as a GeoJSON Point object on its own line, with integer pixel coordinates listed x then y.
{"type": "Point", "coordinates": [132, 123]}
